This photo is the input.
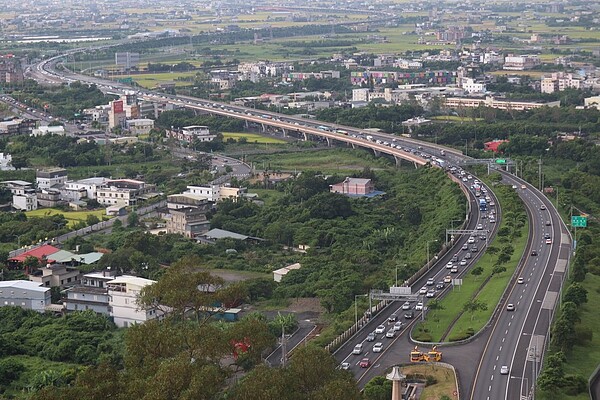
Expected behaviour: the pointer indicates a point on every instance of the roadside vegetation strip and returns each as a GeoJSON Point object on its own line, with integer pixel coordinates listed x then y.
{"type": "Point", "coordinates": [485, 288]}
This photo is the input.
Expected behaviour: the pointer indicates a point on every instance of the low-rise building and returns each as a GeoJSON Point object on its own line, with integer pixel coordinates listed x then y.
{"type": "Point", "coordinates": [83, 188]}
{"type": "Point", "coordinates": [189, 222]}
{"type": "Point", "coordinates": [48, 130]}
{"type": "Point", "coordinates": [25, 294]}
{"type": "Point", "coordinates": [520, 63]}
{"type": "Point", "coordinates": [50, 177]}
{"type": "Point", "coordinates": [91, 294]}
{"type": "Point", "coordinates": [50, 197]}
{"type": "Point", "coordinates": [560, 81]}
{"type": "Point", "coordinates": [215, 193]}
{"type": "Point", "coordinates": [140, 126]}
{"type": "Point", "coordinates": [55, 275]}
{"type": "Point", "coordinates": [502, 104]}
{"type": "Point", "coordinates": [353, 186]}
{"type": "Point", "coordinates": [189, 134]}
{"type": "Point", "coordinates": [124, 292]}
{"type": "Point", "coordinates": [122, 192]}
{"type": "Point", "coordinates": [593, 101]}
{"type": "Point", "coordinates": [278, 274]}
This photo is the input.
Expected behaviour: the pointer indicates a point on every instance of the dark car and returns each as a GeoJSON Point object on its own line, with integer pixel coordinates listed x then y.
{"type": "Point", "coordinates": [533, 253]}
{"type": "Point", "coordinates": [409, 315]}
{"type": "Point", "coordinates": [393, 318]}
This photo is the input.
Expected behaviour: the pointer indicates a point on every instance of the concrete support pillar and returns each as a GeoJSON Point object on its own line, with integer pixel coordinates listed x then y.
{"type": "Point", "coordinates": [398, 161]}
{"type": "Point", "coordinates": [353, 146]}
{"type": "Point", "coordinates": [396, 377]}
{"type": "Point", "coordinates": [305, 136]}
{"type": "Point", "coordinates": [263, 127]}
{"type": "Point", "coordinates": [284, 132]}
{"type": "Point", "coordinates": [376, 152]}
{"type": "Point", "coordinates": [328, 141]}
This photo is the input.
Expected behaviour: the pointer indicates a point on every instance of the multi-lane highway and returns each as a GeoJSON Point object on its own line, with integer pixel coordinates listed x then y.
{"type": "Point", "coordinates": [512, 357]}
{"type": "Point", "coordinates": [516, 339]}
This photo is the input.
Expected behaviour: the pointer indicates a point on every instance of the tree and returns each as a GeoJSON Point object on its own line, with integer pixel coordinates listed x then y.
{"type": "Point", "coordinates": [133, 219]}
{"type": "Point", "coordinates": [498, 269]}
{"type": "Point", "coordinates": [474, 305]}
{"type": "Point", "coordinates": [477, 271]}
{"type": "Point", "coordinates": [91, 219]}
{"type": "Point", "coordinates": [576, 293]}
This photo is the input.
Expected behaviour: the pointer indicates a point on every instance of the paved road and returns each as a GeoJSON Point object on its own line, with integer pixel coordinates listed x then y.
{"type": "Point", "coordinates": [412, 152]}
{"type": "Point", "coordinates": [519, 338]}
{"type": "Point", "coordinates": [397, 349]}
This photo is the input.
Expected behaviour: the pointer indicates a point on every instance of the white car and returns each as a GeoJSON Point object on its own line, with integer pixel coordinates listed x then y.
{"type": "Point", "coordinates": [345, 365]}
{"type": "Point", "coordinates": [397, 326]}
{"type": "Point", "coordinates": [423, 290]}
{"type": "Point", "coordinates": [430, 282]}
{"type": "Point", "coordinates": [431, 293]}
{"type": "Point", "coordinates": [406, 305]}
{"type": "Point", "coordinates": [380, 329]}
{"type": "Point", "coordinates": [463, 262]}
{"type": "Point", "coordinates": [390, 334]}
{"type": "Point", "coordinates": [471, 240]}
{"type": "Point", "coordinates": [377, 347]}
{"type": "Point", "coordinates": [504, 370]}
{"type": "Point", "coordinates": [448, 265]}
{"type": "Point", "coordinates": [520, 280]}
{"type": "Point", "coordinates": [419, 307]}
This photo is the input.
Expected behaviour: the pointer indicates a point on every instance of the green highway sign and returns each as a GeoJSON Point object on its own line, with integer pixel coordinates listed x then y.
{"type": "Point", "coordinates": [500, 161]}
{"type": "Point", "coordinates": [578, 222]}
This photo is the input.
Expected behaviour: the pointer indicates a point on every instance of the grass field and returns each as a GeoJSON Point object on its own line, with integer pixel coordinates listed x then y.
{"type": "Point", "coordinates": [326, 161]}
{"type": "Point", "coordinates": [72, 216]}
{"type": "Point", "coordinates": [446, 380]}
{"type": "Point", "coordinates": [252, 138]}
{"type": "Point", "coordinates": [584, 359]}
{"type": "Point", "coordinates": [151, 80]}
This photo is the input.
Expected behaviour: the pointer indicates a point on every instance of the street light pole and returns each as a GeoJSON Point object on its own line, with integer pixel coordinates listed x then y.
{"type": "Point", "coordinates": [356, 307]}
{"type": "Point", "coordinates": [428, 259]}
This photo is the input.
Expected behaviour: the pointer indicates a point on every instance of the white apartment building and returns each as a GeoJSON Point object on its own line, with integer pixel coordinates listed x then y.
{"type": "Point", "coordinates": [560, 81]}
{"type": "Point", "coordinates": [123, 295]}
{"type": "Point", "coordinates": [121, 192]}
{"type": "Point", "coordinates": [520, 63]}
{"type": "Point", "coordinates": [191, 133]}
{"type": "Point", "coordinates": [407, 64]}
{"type": "Point", "coordinates": [76, 190]}
{"type": "Point", "coordinates": [470, 85]}
{"type": "Point", "coordinates": [593, 101]}
{"type": "Point", "coordinates": [214, 193]}
{"type": "Point", "coordinates": [26, 201]}
{"type": "Point", "coordinates": [502, 104]}
{"type": "Point", "coordinates": [48, 130]}
{"type": "Point", "coordinates": [24, 294]}
{"type": "Point", "coordinates": [47, 178]}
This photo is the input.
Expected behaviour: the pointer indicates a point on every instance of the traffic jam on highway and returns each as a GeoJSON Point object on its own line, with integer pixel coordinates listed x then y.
{"type": "Point", "coordinates": [366, 349]}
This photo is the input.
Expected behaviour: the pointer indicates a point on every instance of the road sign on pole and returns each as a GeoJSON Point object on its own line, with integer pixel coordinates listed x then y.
{"type": "Point", "coordinates": [500, 161]}
{"type": "Point", "coordinates": [578, 221]}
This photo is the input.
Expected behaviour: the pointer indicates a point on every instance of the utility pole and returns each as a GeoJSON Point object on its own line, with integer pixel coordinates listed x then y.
{"type": "Point", "coordinates": [540, 173]}
{"type": "Point", "coordinates": [283, 347]}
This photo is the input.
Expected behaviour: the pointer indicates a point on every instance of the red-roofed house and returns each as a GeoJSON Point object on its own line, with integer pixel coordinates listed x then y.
{"type": "Point", "coordinates": [493, 145]}
{"type": "Point", "coordinates": [42, 253]}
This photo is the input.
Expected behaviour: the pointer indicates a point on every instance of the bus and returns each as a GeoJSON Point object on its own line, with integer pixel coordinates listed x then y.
{"type": "Point", "coordinates": [482, 205]}
{"type": "Point", "coordinates": [323, 128]}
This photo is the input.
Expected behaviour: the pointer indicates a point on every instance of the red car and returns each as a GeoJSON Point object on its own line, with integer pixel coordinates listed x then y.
{"type": "Point", "coordinates": [364, 363]}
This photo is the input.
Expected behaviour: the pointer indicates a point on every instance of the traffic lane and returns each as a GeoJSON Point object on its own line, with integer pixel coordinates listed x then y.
{"type": "Point", "coordinates": [506, 330]}
{"type": "Point", "coordinates": [378, 319]}
{"type": "Point", "coordinates": [511, 386]}
{"type": "Point", "coordinates": [551, 281]}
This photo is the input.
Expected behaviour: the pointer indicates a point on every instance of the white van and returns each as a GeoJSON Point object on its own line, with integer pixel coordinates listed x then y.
{"type": "Point", "coordinates": [357, 349]}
